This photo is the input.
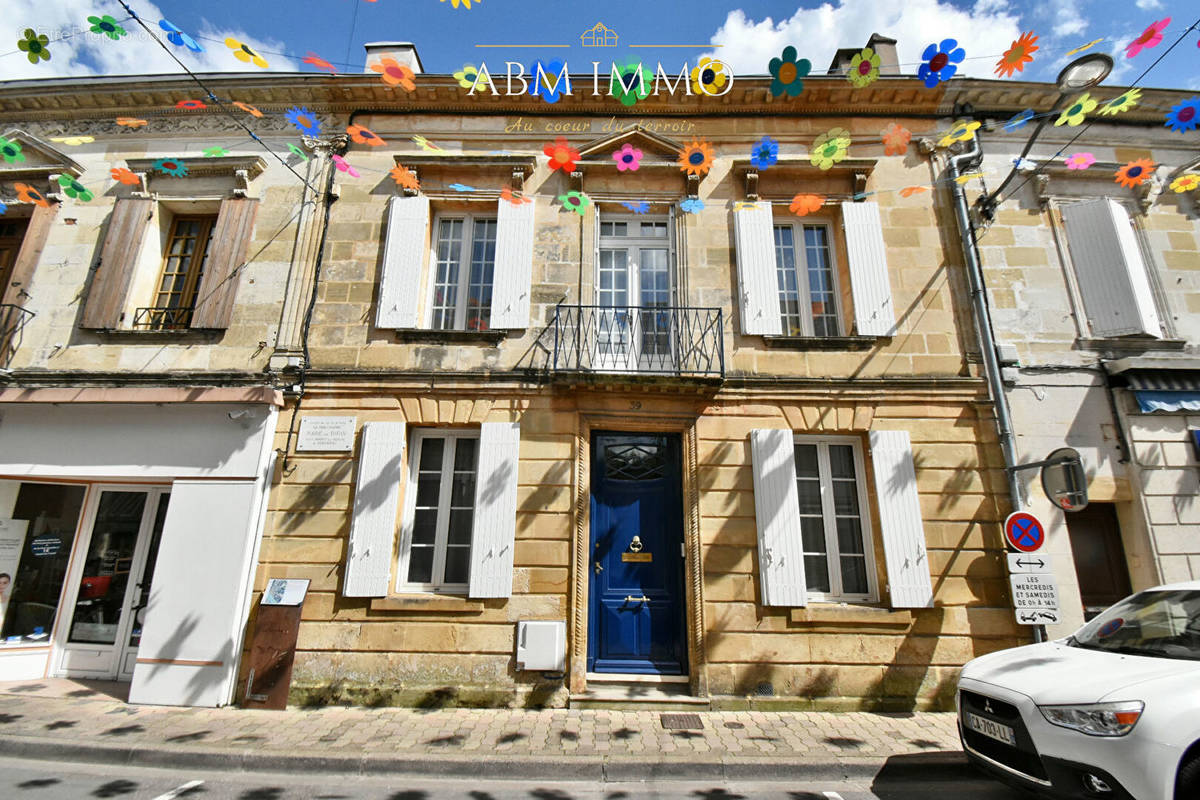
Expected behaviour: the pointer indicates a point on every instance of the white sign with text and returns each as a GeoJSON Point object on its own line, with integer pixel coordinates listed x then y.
{"type": "Point", "coordinates": [326, 434]}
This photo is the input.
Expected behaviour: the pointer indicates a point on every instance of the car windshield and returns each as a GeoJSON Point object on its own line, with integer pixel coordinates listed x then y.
{"type": "Point", "coordinates": [1161, 623]}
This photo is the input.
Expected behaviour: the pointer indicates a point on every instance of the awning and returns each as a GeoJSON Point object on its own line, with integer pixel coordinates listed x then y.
{"type": "Point", "coordinates": [1164, 389]}
{"type": "Point", "coordinates": [1167, 401]}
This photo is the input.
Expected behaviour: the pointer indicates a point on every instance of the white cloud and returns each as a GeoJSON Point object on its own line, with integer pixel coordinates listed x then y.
{"type": "Point", "coordinates": [1149, 5]}
{"type": "Point", "coordinates": [986, 30]}
{"type": "Point", "coordinates": [87, 53]}
{"type": "Point", "coordinates": [1067, 18]}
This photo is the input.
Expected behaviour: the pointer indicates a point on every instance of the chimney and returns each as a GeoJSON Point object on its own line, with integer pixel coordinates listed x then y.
{"type": "Point", "coordinates": [884, 47]}
{"type": "Point", "coordinates": [403, 52]}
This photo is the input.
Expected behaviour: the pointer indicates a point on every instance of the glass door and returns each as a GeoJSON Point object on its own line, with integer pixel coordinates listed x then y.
{"type": "Point", "coordinates": [633, 279]}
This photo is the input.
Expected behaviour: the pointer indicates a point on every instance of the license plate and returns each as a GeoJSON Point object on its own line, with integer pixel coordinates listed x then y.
{"type": "Point", "coordinates": [993, 730]}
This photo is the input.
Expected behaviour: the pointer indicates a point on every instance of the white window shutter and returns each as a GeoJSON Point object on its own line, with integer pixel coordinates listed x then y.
{"type": "Point", "coordinates": [493, 536]}
{"type": "Point", "coordinates": [512, 276]}
{"type": "Point", "coordinates": [874, 314]}
{"type": "Point", "coordinates": [403, 262]}
{"type": "Point", "coordinates": [900, 520]}
{"type": "Point", "coordinates": [376, 499]}
{"type": "Point", "coordinates": [754, 236]}
{"type": "Point", "coordinates": [1111, 274]}
{"type": "Point", "coordinates": [777, 513]}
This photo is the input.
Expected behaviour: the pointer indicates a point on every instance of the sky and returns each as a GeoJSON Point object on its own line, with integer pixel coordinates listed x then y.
{"type": "Point", "coordinates": [744, 33]}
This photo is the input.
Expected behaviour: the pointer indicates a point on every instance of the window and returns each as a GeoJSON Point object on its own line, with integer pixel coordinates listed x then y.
{"type": "Point", "coordinates": [833, 525]}
{"type": "Point", "coordinates": [806, 280]}
{"type": "Point", "coordinates": [435, 553]}
{"type": "Point", "coordinates": [184, 259]}
{"type": "Point", "coordinates": [466, 259]}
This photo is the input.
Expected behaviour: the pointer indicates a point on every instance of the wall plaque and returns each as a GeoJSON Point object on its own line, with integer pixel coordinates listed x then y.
{"type": "Point", "coordinates": [326, 434]}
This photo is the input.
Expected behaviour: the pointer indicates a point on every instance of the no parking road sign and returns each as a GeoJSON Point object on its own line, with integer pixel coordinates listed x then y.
{"type": "Point", "coordinates": [1024, 532]}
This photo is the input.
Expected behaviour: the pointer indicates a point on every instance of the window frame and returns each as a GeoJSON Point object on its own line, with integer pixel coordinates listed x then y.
{"type": "Point", "coordinates": [418, 438]}
{"type": "Point", "coordinates": [469, 220]}
{"type": "Point", "coordinates": [829, 521]}
{"type": "Point", "coordinates": [800, 250]}
{"type": "Point", "coordinates": [195, 269]}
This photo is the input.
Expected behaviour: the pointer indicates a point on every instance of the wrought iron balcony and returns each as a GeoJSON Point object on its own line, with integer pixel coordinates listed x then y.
{"type": "Point", "coordinates": [12, 321]}
{"type": "Point", "coordinates": [645, 340]}
{"type": "Point", "coordinates": [162, 318]}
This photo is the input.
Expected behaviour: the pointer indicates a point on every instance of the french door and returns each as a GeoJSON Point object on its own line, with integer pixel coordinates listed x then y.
{"type": "Point", "coordinates": [633, 279]}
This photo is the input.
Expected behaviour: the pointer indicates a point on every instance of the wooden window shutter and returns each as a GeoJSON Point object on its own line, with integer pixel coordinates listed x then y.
{"type": "Point", "coordinates": [403, 261]}
{"type": "Point", "coordinates": [376, 500]}
{"type": "Point", "coordinates": [226, 255]}
{"type": "Point", "coordinates": [513, 272]}
{"type": "Point", "coordinates": [874, 313]}
{"type": "Point", "coordinates": [118, 259]}
{"type": "Point", "coordinates": [493, 537]}
{"type": "Point", "coordinates": [900, 520]}
{"type": "Point", "coordinates": [777, 514]}
{"type": "Point", "coordinates": [754, 237]}
{"type": "Point", "coordinates": [1111, 274]}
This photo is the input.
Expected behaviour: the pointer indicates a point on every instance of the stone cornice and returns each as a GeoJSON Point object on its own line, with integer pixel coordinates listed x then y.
{"type": "Point", "coordinates": [1002, 99]}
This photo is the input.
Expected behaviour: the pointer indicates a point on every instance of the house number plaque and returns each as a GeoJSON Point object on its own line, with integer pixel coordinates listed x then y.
{"type": "Point", "coordinates": [638, 557]}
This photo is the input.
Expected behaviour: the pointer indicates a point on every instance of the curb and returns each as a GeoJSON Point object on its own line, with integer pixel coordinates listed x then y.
{"type": "Point", "coordinates": [941, 766]}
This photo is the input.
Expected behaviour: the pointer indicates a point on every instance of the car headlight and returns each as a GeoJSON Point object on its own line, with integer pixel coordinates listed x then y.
{"type": "Point", "coordinates": [1096, 719]}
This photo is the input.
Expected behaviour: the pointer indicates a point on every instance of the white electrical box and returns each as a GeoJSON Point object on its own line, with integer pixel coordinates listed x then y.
{"type": "Point", "coordinates": [541, 645]}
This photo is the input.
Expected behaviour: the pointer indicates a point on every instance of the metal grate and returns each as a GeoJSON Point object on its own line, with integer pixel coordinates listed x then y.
{"type": "Point", "coordinates": [681, 722]}
{"type": "Point", "coordinates": [650, 340]}
{"type": "Point", "coordinates": [765, 689]}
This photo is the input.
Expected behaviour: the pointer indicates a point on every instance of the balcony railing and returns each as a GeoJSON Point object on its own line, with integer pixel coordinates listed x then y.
{"type": "Point", "coordinates": [12, 321]}
{"type": "Point", "coordinates": [649, 340]}
{"type": "Point", "coordinates": [162, 318]}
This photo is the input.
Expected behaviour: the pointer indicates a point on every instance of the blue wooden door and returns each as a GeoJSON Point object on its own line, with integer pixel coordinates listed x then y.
{"type": "Point", "coordinates": [636, 610]}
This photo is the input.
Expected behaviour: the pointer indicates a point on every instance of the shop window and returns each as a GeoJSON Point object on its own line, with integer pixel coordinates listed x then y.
{"type": "Point", "coordinates": [465, 263]}
{"type": "Point", "coordinates": [807, 280]}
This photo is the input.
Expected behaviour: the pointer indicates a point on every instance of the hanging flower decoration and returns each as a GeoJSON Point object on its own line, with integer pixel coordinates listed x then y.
{"type": "Point", "coordinates": [425, 144]}
{"type": "Point", "coordinates": [468, 75]}
{"type": "Point", "coordinates": [516, 198]}
{"type": "Point", "coordinates": [1185, 116]}
{"type": "Point", "coordinates": [551, 87]}
{"type": "Point", "coordinates": [640, 207]}
{"type": "Point", "coordinates": [1019, 121]}
{"type": "Point", "coordinates": [28, 194]}
{"type": "Point", "coordinates": [1024, 165]}
{"type": "Point", "coordinates": [693, 205]}
{"type": "Point", "coordinates": [178, 38]}
{"type": "Point", "coordinates": [765, 153]}
{"type": "Point", "coordinates": [73, 188]}
{"type": "Point", "coordinates": [963, 180]}
{"type": "Point", "coordinates": [1076, 111]}
{"type": "Point", "coordinates": [1122, 102]}
{"type": "Point", "coordinates": [895, 140]}
{"type": "Point", "coordinates": [940, 61]}
{"type": "Point", "coordinates": [73, 141]}
{"type": "Point", "coordinates": [127, 177]}
{"type": "Point", "coordinates": [363, 135]}
{"type": "Point", "coordinates": [296, 151]}
{"type": "Point", "coordinates": [696, 157]}
{"type": "Point", "coordinates": [191, 105]}
{"type": "Point", "coordinates": [1017, 56]}
{"type": "Point", "coordinates": [744, 205]}
{"type": "Point", "coordinates": [804, 204]}
{"type": "Point", "coordinates": [909, 191]}
{"type": "Point", "coordinates": [1079, 161]}
{"type": "Point", "coordinates": [1135, 172]}
{"type": "Point", "coordinates": [1185, 183]}
{"type": "Point", "coordinates": [131, 122]}
{"type": "Point", "coordinates": [305, 121]}
{"type": "Point", "coordinates": [107, 26]}
{"type": "Point", "coordinates": [864, 68]}
{"type": "Point", "coordinates": [404, 178]}
{"type": "Point", "coordinates": [170, 166]}
{"type": "Point", "coordinates": [633, 84]}
{"type": "Point", "coordinates": [562, 155]}
{"type": "Point", "coordinates": [465, 3]}
{"type": "Point", "coordinates": [963, 131]}
{"type": "Point", "coordinates": [708, 76]}
{"type": "Point", "coordinates": [830, 148]}
{"type": "Point", "coordinates": [216, 152]}
{"type": "Point", "coordinates": [316, 61]}
{"type": "Point", "coordinates": [249, 109]}
{"type": "Point", "coordinates": [394, 73]}
{"type": "Point", "coordinates": [628, 158]}
{"type": "Point", "coordinates": [788, 73]}
{"type": "Point", "coordinates": [575, 201]}
{"type": "Point", "coordinates": [344, 166]}
{"type": "Point", "coordinates": [1083, 47]}
{"type": "Point", "coordinates": [462, 187]}
{"type": "Point", "coordinates": [34, 46]}
{"type": "Point", "coordinates": [11, 151]}
{"type": "Point", "coordinates": [3, 208]}
{"type": "Point", "coordinates": [1148, 38]}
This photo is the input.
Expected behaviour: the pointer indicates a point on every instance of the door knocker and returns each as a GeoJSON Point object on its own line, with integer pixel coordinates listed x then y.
{"type": "Point", "coordinates": [635, 546]}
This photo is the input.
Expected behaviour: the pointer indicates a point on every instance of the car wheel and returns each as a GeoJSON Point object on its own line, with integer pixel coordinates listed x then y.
{"type": "Point", "coordinates": [1187, 784]}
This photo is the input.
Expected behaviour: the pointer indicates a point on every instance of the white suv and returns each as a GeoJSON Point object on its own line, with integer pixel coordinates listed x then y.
{"type": "Point", "coordinates": [1112, 711]}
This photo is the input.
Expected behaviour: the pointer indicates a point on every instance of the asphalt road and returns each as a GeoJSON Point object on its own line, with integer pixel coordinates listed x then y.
{"type": "Point", "coordinates": [45, 780]}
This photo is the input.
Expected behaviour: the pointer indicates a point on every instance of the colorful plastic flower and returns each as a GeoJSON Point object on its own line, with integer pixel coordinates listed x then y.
{"type": "Point", "coordinates": [216, 152]}
{"type": "Point", "coordinates": [1122, 102]}
{"type": "Point", "coordinates": [28, 194]}
{"type": "Point", "coordinates": [425, 144]}
{"type": "Point", "coordinates": [34, 46]}
{"type": "Point", "coordinates": [465, 3]}
{"type": "Point", "coordinates": [191, 105]}
{"type": "Point", "coordinates": [708, 76]}
{"type": "Point", "coordinates": [640, 207]}
{"type": "Point", "coordinates": [131, 122]}
{"type": "Point", "coordinates": [628, 158]}
{"type": "Point", "coordinates": [107, 26]}
{"type": "Point", "coordinates": [940, 60]}
{"type": "Point", "coordinates": [963, 180]}
{"type": "Point", "coordinates": [765, 153]}
{"type": "Point", "coordinates": [1135, 172]}
{"type": "Point", "coordinates": [3, 208]}
{"type": "Point", "coordinates": [634, 83]}
{"type": "Point", "coordinates": [830, 148]}
{"type": "Point", "coordinates": [1076, 111]}
{"type": "Point", "coordinates": [1083, 47]}
{"type": "Point", "coordinates": [1185, 116]}
{"type": "Point", "coordinates": [963, 131]}
{"type": "Point", "coordinates": [170, 166]}
{"type": "Point", "coordinates": [909, 191]}
{"type": "Point", "coordinates": [404, 178]}
{"type": "Point", "coordinates": [127, 177]}
{"type": "Point", "coordinates": [696, 157]}
{"type": "Point", "coordinates": [552, 85]}
{"type": "Point", "coordinates": [516, 198]}
{"type": "Point", "coordinates": [73, 188]}
{"type": "Point", "coordinates": [344, 166]}
{"type": "Point", "coordinates": [743, 205]}
{"type": "Point", "coordinates": [1019, 120]}
{"type": "Point", "coordinates": [788, 73]}
{"type": "Point", "coordinates": [305, 121]}
{"type": "Point", "coordinates": [319, 63]}
{"type": "Point", "coordinates": [864, 68]}
{"type": "Point", "coordinates": [575, 201]}
{"type": "Point", "coordinates": [73, 141]}
{"type": "Point", "coordinates": [1185, 183]}
{"type": "Point", "coordinates": [244, 53]}
{"type": "Point", "coordinates": [1080, 160]}
{"type": "Point", "coordinates": [562, 155]}
{"type": "Point", "coordinates": [468, 75]}
{"type": "Point", "coordinates": [177, 37]}
{"type": "Point", "coordinates": [249, 109]}
{"type": "Point", "coordinates": [805, 204]}
{"type": "Point", "coordinates": [394, 73]}
{"type": "Point", "coordinates": [462, 187]}
{"type": "Point", "coordinates": [1148, 38]}
{"type": "Point", "coordinates": [364, 136]}
{"type": "Point", "coordinates": [296, 151]}
{"type": "Point", "coordinates": [693, 205]}
{"type": "Point", "coordinates": [11, 151]}
{"type": "Point", "coordinates": [895, 140]}
{"type": "Point", "coordinates": [1024, 165]}
{"type": "Point", "coordinates": [1017, 56]}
